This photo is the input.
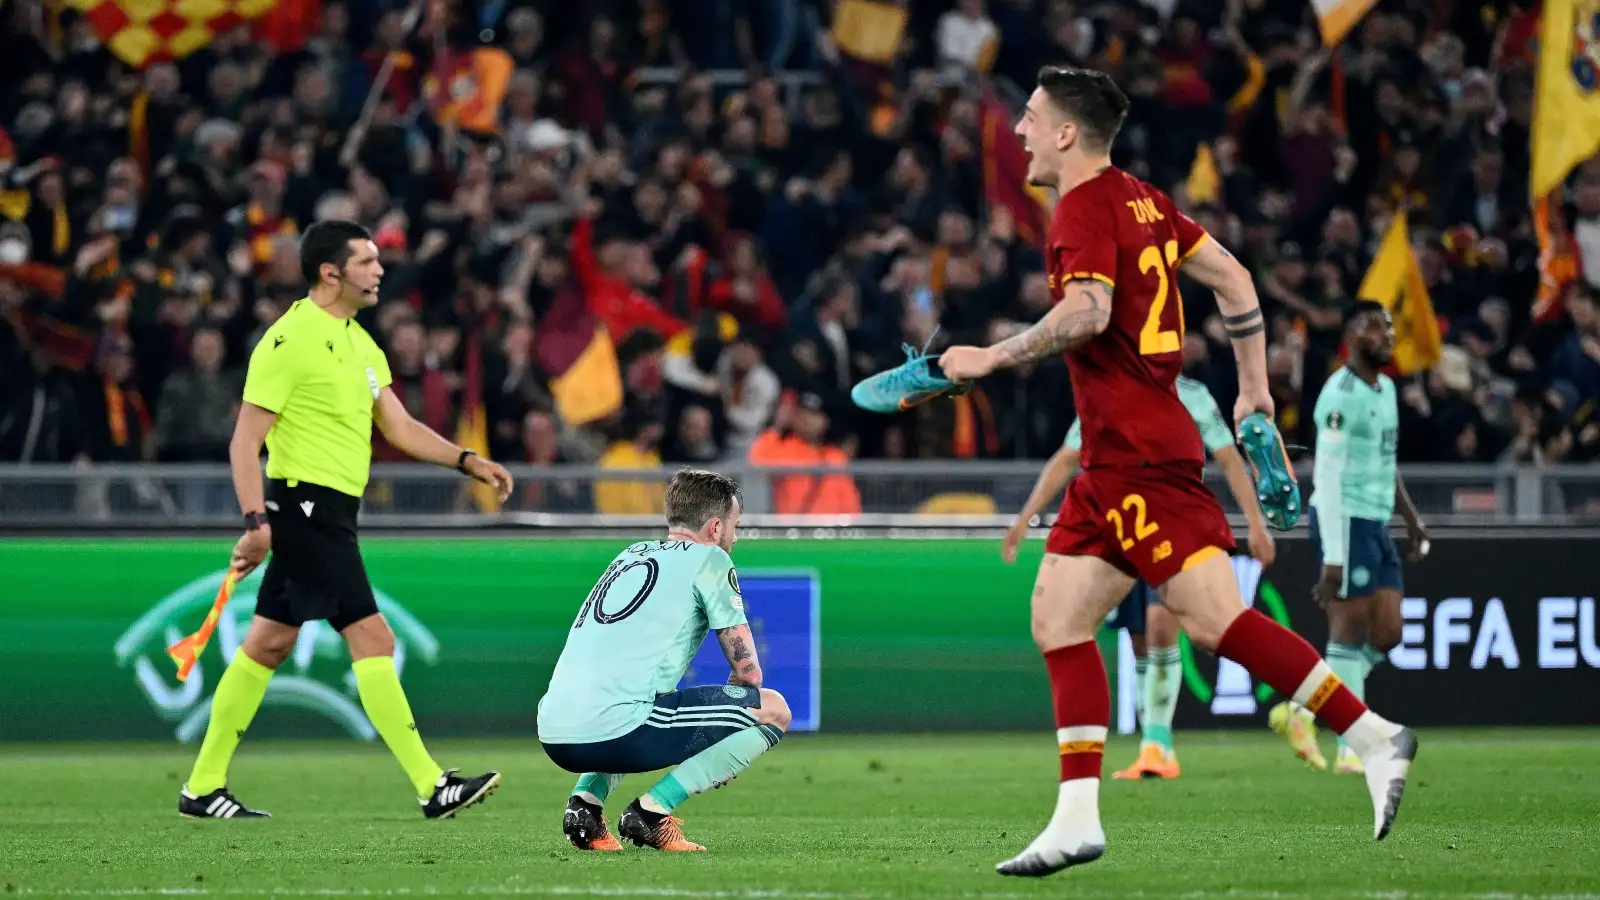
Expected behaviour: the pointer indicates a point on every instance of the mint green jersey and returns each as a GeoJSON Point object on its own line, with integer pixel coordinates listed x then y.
{"type": "Point", "coordinates": [1202, 407]}
{"type": "Point", "coordinates": [634, 637]}
{"type": "Point", "coordinates": [1358, 436]}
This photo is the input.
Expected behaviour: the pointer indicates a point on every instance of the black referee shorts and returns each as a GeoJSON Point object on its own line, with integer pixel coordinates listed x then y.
{"type": "Point", "coordinates": [315, 571]}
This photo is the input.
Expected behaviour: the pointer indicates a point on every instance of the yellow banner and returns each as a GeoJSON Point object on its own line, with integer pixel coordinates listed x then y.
{"type": "Point", "coordinates": [1566, 105]}
{"type": "Point", "coordinates": [1395, 280]}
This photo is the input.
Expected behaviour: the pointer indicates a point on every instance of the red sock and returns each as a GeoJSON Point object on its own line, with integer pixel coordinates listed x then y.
{"type": "Point", "coordinates": [1284, 660]}
{"type": "Point", "coordinates": [1082, 696]}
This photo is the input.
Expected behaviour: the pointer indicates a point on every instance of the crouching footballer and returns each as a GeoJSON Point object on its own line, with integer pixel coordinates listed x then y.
{"type": "Point", "coordinates": [613, 708]}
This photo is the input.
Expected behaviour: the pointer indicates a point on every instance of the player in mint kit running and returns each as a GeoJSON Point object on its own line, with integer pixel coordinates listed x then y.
{"type": "Point", "coordinates": [1357, 488]}
{"type": "Point", "coordinates": [613, 709]}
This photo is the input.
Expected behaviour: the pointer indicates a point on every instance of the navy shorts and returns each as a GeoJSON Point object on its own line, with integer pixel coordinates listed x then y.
{"type": "Point", "coordinates": [1372, 562]}
{"type": "Point", "coordinates": [1130, 613]}
{"type": "Point", "coordinates": [682, 724]}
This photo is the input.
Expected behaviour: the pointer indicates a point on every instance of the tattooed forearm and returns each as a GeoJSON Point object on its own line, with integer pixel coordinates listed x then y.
{"type": "Point", "coordinates": [1244, 325]}
{"type": "Point", "coordinates": [1083, 313]}
{"type": "Point", "coordinates": [738, 646]}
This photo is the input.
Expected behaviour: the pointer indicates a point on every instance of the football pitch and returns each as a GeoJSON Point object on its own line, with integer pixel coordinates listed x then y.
{"type": "Point", "coordinates": [1492, 815]}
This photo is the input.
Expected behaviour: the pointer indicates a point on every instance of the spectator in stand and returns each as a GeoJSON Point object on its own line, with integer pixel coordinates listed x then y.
{"type": "Point", "coordinates": [820, 223]}
{"type": "Point", "coordinates": [194, 420]}
{"type": "Point", "coordinates": [750, 393]}
{"type": "Point", "coordinates": [799, 438]}
{"type": "Point", "coordinates": [636, 448]}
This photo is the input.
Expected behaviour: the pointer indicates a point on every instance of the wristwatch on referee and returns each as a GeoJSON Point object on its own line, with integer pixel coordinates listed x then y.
{"type": "Point", "coordinates": [461, 461]}
{"type": "Point", "coordinates": [254, 520]}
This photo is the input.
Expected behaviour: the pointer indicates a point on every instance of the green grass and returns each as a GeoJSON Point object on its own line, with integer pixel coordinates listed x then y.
{"type": "Point", "coordinates": [1490, 815]}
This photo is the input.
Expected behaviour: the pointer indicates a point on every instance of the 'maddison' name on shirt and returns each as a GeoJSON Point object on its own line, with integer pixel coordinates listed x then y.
{"type": "Point", "coordinates": [660, 546]}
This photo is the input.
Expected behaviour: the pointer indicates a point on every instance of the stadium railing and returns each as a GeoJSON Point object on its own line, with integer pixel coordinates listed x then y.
{"type": "Point", "coordinates": [407, 495]}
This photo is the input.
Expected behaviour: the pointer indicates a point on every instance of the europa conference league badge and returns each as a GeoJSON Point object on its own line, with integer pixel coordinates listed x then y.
{"type": "Point", "coordinates": [316, 677]}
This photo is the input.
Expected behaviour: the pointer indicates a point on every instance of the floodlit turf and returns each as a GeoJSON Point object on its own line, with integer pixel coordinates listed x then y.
{"type": "Point", "coordinates": [1490, 815]}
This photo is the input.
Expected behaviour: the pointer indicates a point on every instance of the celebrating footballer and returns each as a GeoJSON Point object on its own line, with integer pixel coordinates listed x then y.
{"type": "Point", "coordinates": [1140, 510]}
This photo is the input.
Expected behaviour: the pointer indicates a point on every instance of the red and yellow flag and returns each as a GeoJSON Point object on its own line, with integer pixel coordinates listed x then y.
{"type": "Point", "coordinates": [465, 89]}
{"type": "Point", "coordinates": [1566, 131]}
{"type": "Point", "coordinates": [1005, 172]}
{"type": "Point", "coordinates": [1335, 18]}
{"type": "Point", "coordinates": [142, 33]}
{"type": "Point", "coordinates": [1566, 105]}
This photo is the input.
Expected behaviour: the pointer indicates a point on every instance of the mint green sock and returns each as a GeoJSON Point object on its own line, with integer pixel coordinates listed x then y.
{"type": "Point", "coordinates": [594, 787]}
{"type": "Point", "coordinates": [1351, 664]}
{"type": "Point", "coordinates": [1141, 670]}
{"type": "Point", "coordinates": [713, 767]}
{"type": "Point", "coordinates": [1374, 657]}
{"type": "Point", "coordinates": [1161, 696]}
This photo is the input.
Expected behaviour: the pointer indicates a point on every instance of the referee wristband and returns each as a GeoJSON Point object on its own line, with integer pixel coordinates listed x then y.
{"type": "Point", "coordinates": [461, 461]}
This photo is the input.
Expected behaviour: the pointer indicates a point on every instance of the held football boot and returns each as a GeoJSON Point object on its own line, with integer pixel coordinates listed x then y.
{"type": "Point", "coordinates": [912, 383]}
{"type": "Point", "coordinates": [1276, 487]}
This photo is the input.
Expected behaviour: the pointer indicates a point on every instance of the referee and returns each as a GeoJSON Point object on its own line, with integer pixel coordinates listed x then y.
{"type": "Point", "coordinates": [315, 384]}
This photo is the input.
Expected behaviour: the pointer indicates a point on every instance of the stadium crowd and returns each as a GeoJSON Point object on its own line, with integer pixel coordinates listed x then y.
{"type": "Point", "coordinates": [687, 228]}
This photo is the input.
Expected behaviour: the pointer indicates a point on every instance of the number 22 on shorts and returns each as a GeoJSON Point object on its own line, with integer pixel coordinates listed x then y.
{"type": "Point", "coordinates": [1133, 503]}
{"type": "Point", "coordinates": [1152, 338]}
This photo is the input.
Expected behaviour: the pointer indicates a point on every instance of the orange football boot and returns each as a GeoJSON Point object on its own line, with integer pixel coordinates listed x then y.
{"type": "Point", "coordinates": [1153, 762]}
{"type": "Point", "coordinates": [666, 834]}
{"type": "Point", "coordinates": [585, 826]}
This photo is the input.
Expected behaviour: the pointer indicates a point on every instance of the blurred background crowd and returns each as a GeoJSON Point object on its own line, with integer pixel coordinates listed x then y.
{"type": "Point", "coordinates": [665, 231]}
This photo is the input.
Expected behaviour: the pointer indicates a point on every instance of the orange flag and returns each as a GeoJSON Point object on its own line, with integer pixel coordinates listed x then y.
{"type": "Point", "coordinates": [187, 651]}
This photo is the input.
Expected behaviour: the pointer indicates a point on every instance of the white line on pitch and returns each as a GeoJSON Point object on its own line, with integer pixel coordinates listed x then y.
{"type": "Point", "coordinates": [526, 890]}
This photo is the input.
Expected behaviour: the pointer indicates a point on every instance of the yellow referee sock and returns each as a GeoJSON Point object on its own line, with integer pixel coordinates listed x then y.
{"type": "Point", "coordinates": [385, 703]}
{"type": "Point", "coordinates": [233, 706]}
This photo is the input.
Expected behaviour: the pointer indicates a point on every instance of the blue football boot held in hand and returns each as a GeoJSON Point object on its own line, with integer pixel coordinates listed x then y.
{"type": "Point", "coordinates": [1276, 487]}
{"type": "Point", "coordinates": [913, 382]}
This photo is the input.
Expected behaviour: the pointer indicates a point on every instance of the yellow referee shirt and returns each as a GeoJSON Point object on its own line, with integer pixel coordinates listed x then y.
{"type": "Point", "coordinates": [321, 375]}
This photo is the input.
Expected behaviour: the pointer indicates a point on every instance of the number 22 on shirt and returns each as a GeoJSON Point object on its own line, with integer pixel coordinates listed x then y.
{"type": "Point", "coordinates": [1154, 339]}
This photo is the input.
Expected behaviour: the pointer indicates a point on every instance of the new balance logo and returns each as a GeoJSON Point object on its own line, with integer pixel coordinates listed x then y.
{"type": "Point", "coordinates": [306, 507]}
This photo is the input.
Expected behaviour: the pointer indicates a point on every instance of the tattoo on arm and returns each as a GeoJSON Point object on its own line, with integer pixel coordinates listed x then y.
{"type": "Point", "coordinates": [1083, 313]}
{"type": "Point", "coordinates": [1244, 325]}
{"type": "Point", "coordinates": [736, 645]}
